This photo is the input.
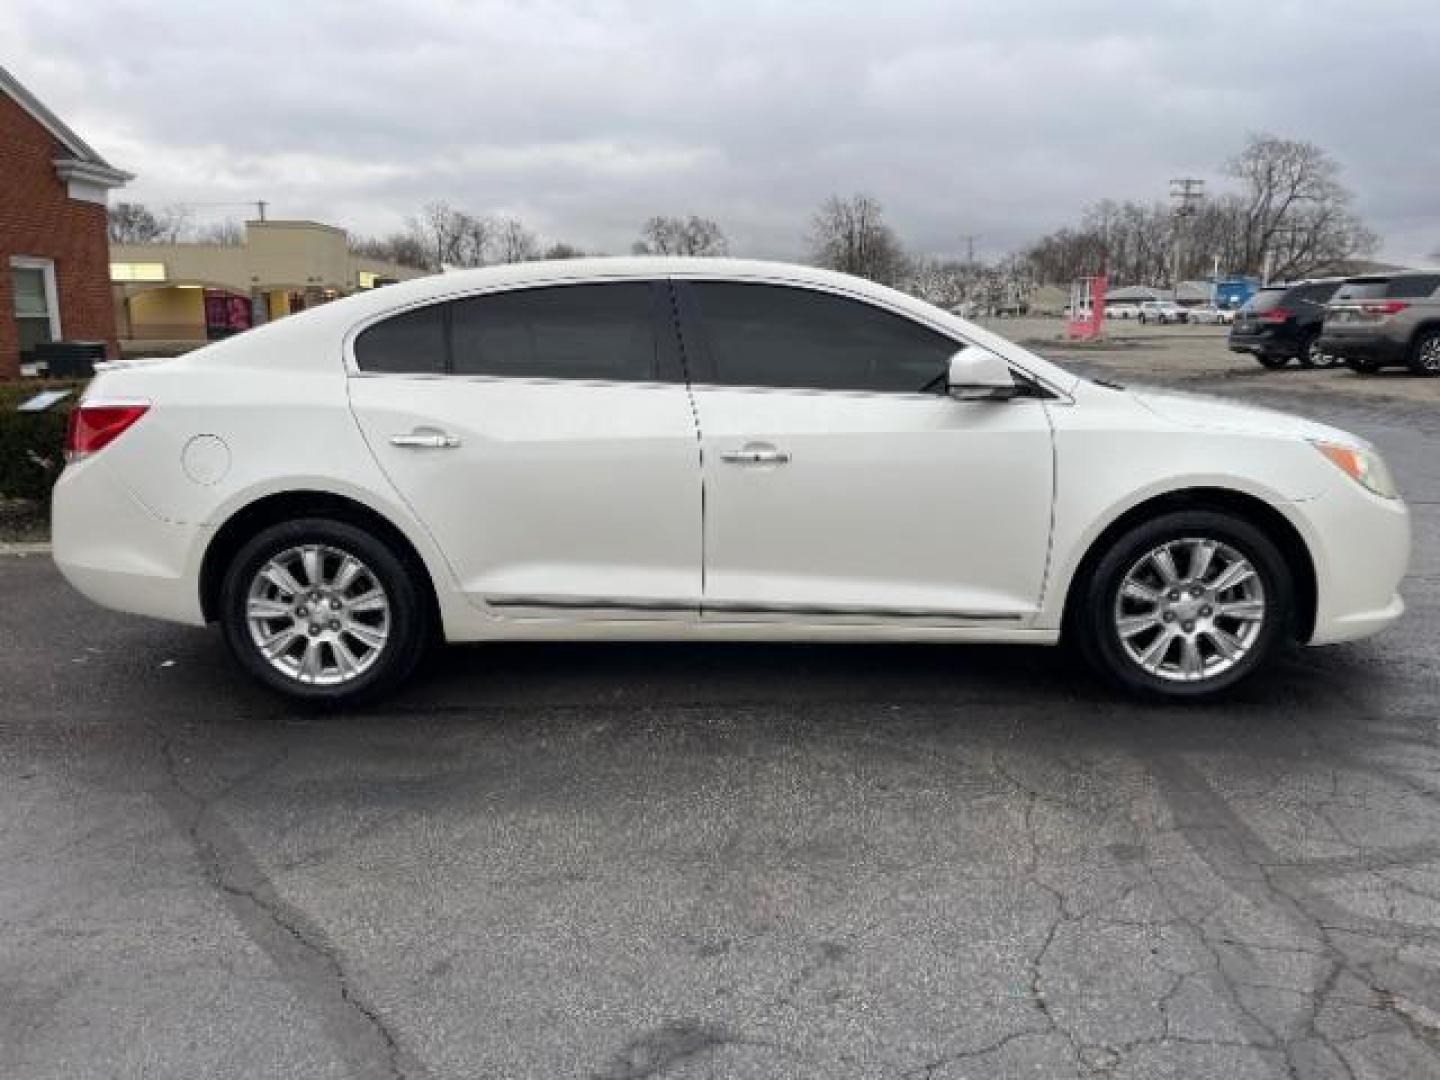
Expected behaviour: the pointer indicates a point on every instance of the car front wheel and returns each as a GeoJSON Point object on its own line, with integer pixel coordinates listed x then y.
{"type": "Point", "coordinates": [1185, 605]}
{"type": "Point", "coordinates": [323, 611]}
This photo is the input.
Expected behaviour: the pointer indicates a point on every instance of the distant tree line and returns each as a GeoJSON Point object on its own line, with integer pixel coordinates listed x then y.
{"type": "Point", "coordinates": [1288, 215]}
{"type": "Point", "coordinates": [135, 223]}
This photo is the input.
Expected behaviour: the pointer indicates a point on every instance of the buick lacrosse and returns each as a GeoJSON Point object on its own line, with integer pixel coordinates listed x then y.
{"type": "Point", "coordinates": [649, 449]}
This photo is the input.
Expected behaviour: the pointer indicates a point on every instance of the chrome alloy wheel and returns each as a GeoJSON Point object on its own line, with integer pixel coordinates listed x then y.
{"type": "Point", "coordinates": [318, 615]}
{"type": "Point", "coordinates": [1430, 354]}
{"type": "Point", "coordinates": [1190, 609]}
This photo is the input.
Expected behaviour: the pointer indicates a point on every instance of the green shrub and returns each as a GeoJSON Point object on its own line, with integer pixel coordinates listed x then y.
{"type": "Point", "coordinates": [32, 445]}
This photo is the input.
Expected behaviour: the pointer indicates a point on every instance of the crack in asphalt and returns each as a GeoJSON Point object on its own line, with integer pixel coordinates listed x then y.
{"type": "Point", "coordinates": [297, 946]}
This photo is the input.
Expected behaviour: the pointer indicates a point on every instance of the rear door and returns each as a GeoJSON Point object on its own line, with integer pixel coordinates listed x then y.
{"type": "Point", "coordinates": [545, 438]}
{"type": "Point", "coordinates": [842, 482]}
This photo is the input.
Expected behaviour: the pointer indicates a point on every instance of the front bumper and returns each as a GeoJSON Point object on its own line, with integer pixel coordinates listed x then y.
{"type": "Point", "coordinates": [1361, 547]}
{"type": "Point", "coordinates": [117, 552]}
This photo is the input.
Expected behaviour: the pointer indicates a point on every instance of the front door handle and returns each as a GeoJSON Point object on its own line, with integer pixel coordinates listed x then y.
{"type": "Point", "coordinates": [426, 439]}
{"type": "Point", "coordinates": [755, 454]}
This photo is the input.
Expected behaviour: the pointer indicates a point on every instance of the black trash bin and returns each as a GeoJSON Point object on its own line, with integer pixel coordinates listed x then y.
{"type": "Point", "coordinates": [69, 359]}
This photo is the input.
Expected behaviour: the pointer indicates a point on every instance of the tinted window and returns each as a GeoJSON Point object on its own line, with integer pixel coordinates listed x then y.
{"type": "Point", "coordinates": [1323, 292]}
{"type": "Point", "coordinates": [1365, 289]}
{"type": "Point", "coordinates": [771, 335]}
{"type": "Point", "coordinates": [1264, 300]}
{"type": "Point", "coordinates": [1413, 287]}
{"type": "Point", "coordinates": [411, 343]}
{"type": "Point", "coordinates": [603, 332]}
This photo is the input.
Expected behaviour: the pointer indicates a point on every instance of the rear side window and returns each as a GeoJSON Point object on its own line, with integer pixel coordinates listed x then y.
{"type": "Point", "coordinates": [1413, 287]}
{"type": "Point", "coordinates": [1365, 289]}
{"type": "Point", "coordinates": [411, 343]}
{"type": "Point", "coordinates": [602, 332]}
{"type": "Point", "coordinates": [775, 335]}
{"type": "Point", "coordinates": [1318, 294]}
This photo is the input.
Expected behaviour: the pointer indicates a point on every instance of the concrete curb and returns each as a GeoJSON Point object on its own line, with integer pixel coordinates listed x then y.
{"type": "Point", "coordinates": [39, 547]}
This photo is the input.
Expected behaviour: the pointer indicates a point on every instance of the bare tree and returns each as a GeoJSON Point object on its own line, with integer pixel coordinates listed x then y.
{"type": "Point", "coordinates": [691, 235]}
{"type": "Point", "coordinates": [135, 223]}
{"type": "Point", "coordinates": [850, 235]}
{"type": "Point", "coordinates": [227, 233]}
{"type": "Point", "coordinates": [946, 283]}
{"type": "Point", "coordinates": [401, 248]}
{"type": "Point", "coordinates": [514, 242]}
{"type": "Point", "coordinates": [441, 229]}
{"type": "Point", "coordinates": [1297, 214]}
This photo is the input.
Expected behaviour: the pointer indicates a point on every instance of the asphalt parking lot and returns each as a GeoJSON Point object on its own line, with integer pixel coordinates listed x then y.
{"type": "Point", "coordinates": [683, 862]}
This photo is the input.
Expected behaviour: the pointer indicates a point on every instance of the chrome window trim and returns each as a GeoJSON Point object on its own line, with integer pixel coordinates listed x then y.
{"type": "Point", "coordinates": [352, 368]}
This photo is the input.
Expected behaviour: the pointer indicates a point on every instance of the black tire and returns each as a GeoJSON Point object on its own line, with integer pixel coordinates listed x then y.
{"type": "Point", "coordinates": [1311, 355]}
{"type": "Point", "coordinates": [408, 615]}
{"type": "Point", "coordinates": [1091, 625]}
{"type": "Point", "coordinates": [1425, 354]}
{"type": "Point", "coordinates": [1272, 361]}
{"type": "Point", "coordinates": [1361, 366]}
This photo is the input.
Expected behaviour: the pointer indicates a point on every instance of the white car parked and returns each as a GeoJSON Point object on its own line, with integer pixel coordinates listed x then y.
{"type": "Point", "coordinates": [703, 449]}
{"type": "Point", "coordinates": [1163, 312]}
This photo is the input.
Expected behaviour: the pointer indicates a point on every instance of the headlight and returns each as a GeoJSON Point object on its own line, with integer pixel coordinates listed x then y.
{"type": "Point", "coordinates": [1362, 465]}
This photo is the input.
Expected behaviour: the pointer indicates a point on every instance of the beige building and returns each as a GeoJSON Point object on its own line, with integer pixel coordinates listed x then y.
{"type": "Point", "coordinates": [182, 295]}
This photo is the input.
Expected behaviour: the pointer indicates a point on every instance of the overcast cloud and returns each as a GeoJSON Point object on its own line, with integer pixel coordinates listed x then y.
{"type": "Point", "coordinates": [998, 119]}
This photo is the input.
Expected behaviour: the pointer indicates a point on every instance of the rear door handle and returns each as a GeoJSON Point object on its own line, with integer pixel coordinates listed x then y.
{"type": "Point", "coordinates": [426, 439]}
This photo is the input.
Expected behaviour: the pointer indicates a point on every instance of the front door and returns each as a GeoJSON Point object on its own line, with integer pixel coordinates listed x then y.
{"type": "Point", "coordinates": [545, 438]}
{"type": "Point", "coordinates": [841, 482]}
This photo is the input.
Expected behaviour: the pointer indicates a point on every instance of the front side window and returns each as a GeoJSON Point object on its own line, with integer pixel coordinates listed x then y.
{"type": "Point", "coordinates": [602, 332]}
{"type": "Point", "coordinates": [776, 335]}
{"type": "Point", "coordinates": [32, 284]}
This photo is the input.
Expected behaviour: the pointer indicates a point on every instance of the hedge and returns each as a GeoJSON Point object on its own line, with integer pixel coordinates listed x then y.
{"type": "Point", "coordinates": [32, 445]}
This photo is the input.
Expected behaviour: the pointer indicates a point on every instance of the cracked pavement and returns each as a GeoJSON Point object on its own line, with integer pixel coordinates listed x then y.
{"type": "Point", "coordinates": [628, 861]}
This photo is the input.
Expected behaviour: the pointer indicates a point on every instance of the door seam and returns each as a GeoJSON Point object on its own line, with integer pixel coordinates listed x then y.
{"type": "Point", "coordinates": [678, 328]}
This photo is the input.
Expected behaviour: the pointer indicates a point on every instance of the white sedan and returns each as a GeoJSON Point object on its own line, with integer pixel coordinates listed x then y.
{"type": "Point", "coordinates": [649, 449]}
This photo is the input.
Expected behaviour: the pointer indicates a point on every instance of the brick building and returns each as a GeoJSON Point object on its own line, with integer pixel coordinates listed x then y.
{"type": "Point", "coordinates": [54, 249]}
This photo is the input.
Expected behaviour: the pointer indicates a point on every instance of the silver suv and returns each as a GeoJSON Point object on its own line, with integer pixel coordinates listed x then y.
{"type": "Point", "coordinates": [1385, 320]}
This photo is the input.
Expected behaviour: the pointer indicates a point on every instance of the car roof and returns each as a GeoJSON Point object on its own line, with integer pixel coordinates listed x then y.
{"type": "Point", "coordinates": [315, 335]}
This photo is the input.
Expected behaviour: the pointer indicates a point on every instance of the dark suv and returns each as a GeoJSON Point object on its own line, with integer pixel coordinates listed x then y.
{"type": "Point", "coordinates": [1389, 320]}
{"type": "Point", "coordinates": [1282, 322]}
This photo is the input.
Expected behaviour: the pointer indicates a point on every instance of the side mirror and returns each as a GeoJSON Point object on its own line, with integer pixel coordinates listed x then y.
{"type": "Point", "coordinates": [977, 374]}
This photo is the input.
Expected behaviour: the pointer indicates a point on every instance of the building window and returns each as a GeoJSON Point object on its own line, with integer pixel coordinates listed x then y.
{"type": "Point", "coordinates": [137, 271]}
{"type": "Point", "coordinates": [37, 307]}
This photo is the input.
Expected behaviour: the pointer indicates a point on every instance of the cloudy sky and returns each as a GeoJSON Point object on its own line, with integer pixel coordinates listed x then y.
{"type": "Point", "coordinates": [1001, 119]}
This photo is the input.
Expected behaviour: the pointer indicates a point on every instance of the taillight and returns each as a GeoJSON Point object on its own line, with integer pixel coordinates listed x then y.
{"type": "Point", "coordinates": [1276, 315]}
{"type": "Point", "coordinates": [94, 427]}
{"type": "Point", "coordinates": [1384, 307]}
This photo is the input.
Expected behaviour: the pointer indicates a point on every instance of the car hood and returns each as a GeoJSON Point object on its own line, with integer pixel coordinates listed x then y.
{"type": "Point", "coordinates": [1217, 414]}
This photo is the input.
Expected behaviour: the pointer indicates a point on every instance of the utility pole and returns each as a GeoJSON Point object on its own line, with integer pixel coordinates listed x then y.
{"type": "Point", "coordinates": [1185, 193]}
{"type": "Point", "coordinates": [970, 239]}
{"type": "Point", "coordinates": [260, 205]}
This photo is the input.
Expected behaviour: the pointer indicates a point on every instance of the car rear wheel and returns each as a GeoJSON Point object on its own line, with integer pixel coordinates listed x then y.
{"type": "Point", "coordinates": [1312, 356]}
{"type": "Point", "coordinates": [1425, 354]}
{"type": "Point", "coordinates": [322, 611]}
{"type": "Point", "coordinates": [1272, 361]}
{"type": "Point", "coordinates": [1185, 605]}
